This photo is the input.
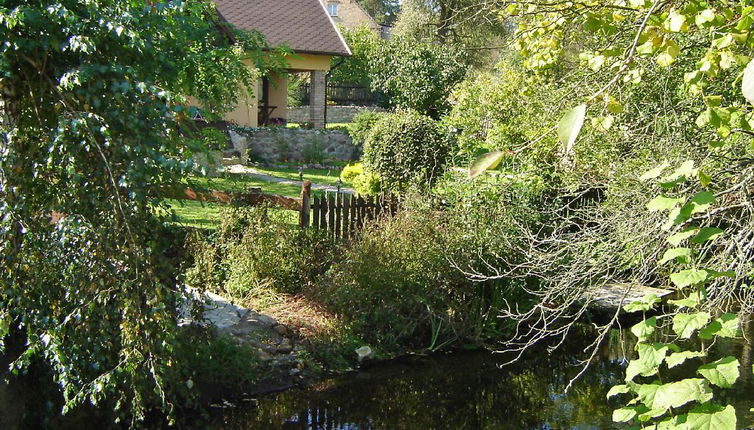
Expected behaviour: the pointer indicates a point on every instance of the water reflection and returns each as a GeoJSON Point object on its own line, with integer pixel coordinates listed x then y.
{"type": "Point", "coordinates": [467, 391]}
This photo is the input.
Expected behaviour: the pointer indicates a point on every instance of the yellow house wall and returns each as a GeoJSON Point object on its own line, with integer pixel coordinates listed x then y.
{"type": "Point", "coordinates": [246, 112]}
{"type": "Point", "coordinates": [304, 62]}
{"type": "Point", "coordinates": [279, 95]}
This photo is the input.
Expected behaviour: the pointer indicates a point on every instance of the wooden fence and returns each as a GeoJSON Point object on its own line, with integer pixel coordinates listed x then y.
{"type": "Point", "coordinates": [341, 215]}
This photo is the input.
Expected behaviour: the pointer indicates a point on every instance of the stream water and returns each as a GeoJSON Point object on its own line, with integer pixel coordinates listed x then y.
{"type": "Point", "coordinates": [468, 391]}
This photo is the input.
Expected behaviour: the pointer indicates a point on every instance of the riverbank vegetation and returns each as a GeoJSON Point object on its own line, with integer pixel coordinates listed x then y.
{"type": "Point", "coordinates": [604, 143]}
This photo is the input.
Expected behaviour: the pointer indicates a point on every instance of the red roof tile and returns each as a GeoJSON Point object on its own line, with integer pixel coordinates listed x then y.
{"type": "Point", "coordinates": [302, 25]}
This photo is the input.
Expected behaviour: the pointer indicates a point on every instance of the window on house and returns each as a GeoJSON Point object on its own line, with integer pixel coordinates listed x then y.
{"type": "Point", "coordinates": [332, 8]}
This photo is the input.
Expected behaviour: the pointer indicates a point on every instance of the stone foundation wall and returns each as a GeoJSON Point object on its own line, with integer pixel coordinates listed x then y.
{"type": "Point", "coordinates": [335, 114]}
{"type": "Point", "coordinates": [278, 144]}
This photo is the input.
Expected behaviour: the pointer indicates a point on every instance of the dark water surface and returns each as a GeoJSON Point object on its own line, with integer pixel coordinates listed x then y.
{"type": "Point", "coordinates": [466, 391]}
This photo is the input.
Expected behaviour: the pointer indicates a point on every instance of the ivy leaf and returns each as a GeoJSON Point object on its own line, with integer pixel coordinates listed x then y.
{"type": "Point", "coordinates": [725, 326]}
{"type": "Point", "coordinates": [682, 255]}
{"type": "Point", "coordinates": [706, 234]}
{"type": "Point", "coordinates": [711, 417]}
{"type": "Point", "coordinates": [652, 174]}
{"type": "Point", "coordinates": [680, 357]}
{"type": "Point", "coordinates": [617, 389]}
{"type": "Point", "coordinates": [723, 372]}
{"type": "Point", "coordinates": [747, 83]}
{"type": "Point", "coordinates": [684, 325]}
{"type": "Point", "coordinates": [688, 277]}
{"type": "Point", "coordinates": [676, 394]}
{"type": "Point", "coordinates": [662, 203]}
{"type": "Point", "coordinates": [644, 329]}
{"type": "Point", "coordinates": [570, 125]}
{"type": "Point", "coordinates": [485, 162]}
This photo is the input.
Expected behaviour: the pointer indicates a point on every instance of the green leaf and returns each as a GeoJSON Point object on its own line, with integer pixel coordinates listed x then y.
{"type": "Point", "coordinates": [646, 392]}
{"type": "Point", "coordinates": [652, 174]}
{"type": "Point", "coordinates": [680, 357]}
{"type": "Point", "coordinates": [662, 203]}
{"type": "Point", "coordinates": [683, 172]}
{"type": "Point", "coordinates": [676, 394]}
{"type": "Point", "coordinates": [570, 125]}
{"type": "Point", "coordinates": [617, 389]}
{"type": "Point", "coordinates": [624, 414]}
{"type": "Point", "coordinates": [684, 234]}
{"type": "Point", "coordinates": [648, 363]}
{"type": "Point", "coordinates": [705, 16]}
{"type": "Point", "coordinates": [682, 255]}
{"type": "Point", "coordinates": [723, 372]}
{"type": "Point", "coordinates": [704, 179]}
{"type": "Point", "coordinates": [725, 326]}
{"type": "Point", "coordinates": [684, 325]}
{"type": "Point", "coordinates": [706, 234]}
{"type": "Point", "coordinates": [711, 417]}
{"type": "Point", "coordinates": [644, 304]}
{"type": "Point", "coordinates": [701, 201]}
{"type": "Point", "coordinates": [688, 277]}
{"type": "Point", "coordinates": [644, 329]}
{"type": "Point", "coordinates": [747, 82]}
{"type": "Point", "coordinates": [690, 301]}
{"type": "Point", "coordinates": [485, 162]}
{"type": "Point", "coordinates": [676, 22]}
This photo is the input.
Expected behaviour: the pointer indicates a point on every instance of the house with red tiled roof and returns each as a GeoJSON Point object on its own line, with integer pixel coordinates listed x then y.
{"type": "Point", "coordinates": [303, 26]}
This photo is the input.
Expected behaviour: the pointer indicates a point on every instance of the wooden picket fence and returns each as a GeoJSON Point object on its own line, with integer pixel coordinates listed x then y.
{"type": "Point", "coordinates": [342, 215]}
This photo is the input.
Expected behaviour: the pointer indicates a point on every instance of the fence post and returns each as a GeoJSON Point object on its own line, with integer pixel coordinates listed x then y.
{"type": "Point", "coordinates": [306, 206]}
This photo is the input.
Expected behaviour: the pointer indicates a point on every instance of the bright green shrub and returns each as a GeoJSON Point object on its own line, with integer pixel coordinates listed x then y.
{"type": "Point", "coordinates": [363, 181]}
{"type": "Point", "coordinates": [350, 172]}
{"type": "Point", "coordinates": [404, 148]}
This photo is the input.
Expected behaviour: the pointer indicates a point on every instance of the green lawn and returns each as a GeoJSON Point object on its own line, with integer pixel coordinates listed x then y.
{"type": "Point", "coordinates": [318, 176]}
{"type": "Point", "coordinates": [237, 182]}
{"type": "Point", "coordinates": [207, 215]}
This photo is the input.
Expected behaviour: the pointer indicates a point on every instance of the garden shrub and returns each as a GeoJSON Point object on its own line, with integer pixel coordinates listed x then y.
{"type": "Point", "coordinates": [363, 181]}
{"type": "Point", "coordinates": [399, 285]}
{"type": "Point", "coordinates": [256, 256]}
{"type": "Point", "coordinates": [362, 124]}
{"type": "Point", "coordinates": [406, 148]}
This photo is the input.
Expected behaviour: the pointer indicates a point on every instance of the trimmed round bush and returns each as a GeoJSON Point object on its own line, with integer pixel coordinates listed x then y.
{"type": "Point", "coordinates": [405, 148]}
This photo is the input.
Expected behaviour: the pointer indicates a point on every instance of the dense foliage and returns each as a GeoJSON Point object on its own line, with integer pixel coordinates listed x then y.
{"type": "Point", "coordinates": [417, 75]}
{"type": "Point", "coordinates": [406, 148]}
{"type": "Point", "coordinates": [643, 68]}
{"type": "Point", "coordinates": [93, 98]}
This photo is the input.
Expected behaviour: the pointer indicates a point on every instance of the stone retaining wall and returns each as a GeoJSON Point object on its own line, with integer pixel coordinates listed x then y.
{"type": "Point", "coordinates": [278, 144]}
{"type": "Point", "coordinates": [335, 114]}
